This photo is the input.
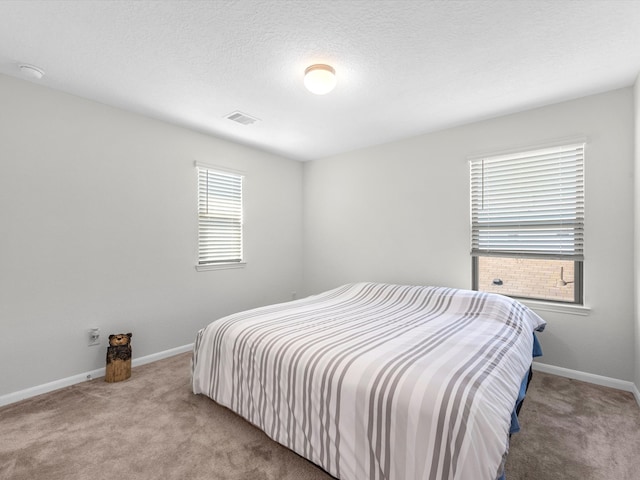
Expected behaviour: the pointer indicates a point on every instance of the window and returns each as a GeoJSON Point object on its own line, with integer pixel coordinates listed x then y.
{"type": "Point", "coordinates": [219, 218]}
{"type": "Point", "coordinates": [527, 223]}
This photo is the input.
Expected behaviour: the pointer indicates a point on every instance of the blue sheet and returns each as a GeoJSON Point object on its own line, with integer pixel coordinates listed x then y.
{"type": "Point", "coordinates": [515, 424]}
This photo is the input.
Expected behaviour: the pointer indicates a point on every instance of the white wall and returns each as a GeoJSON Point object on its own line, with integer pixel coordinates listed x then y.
{"type": "Point", "coordinates": [400, 213]}
{"type": "Point", "coordinates": [98, 228]}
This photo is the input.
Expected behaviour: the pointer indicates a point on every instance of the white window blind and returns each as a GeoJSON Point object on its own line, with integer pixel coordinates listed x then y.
{"type": "Point", "coordinates": [529, 204]}
{"type": "Point", "coordinates": [219, 217]}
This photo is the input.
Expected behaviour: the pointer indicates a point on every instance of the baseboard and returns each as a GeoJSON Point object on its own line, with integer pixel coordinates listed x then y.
{"type": "Point", "coordinates": [83, 377]}
{"type": "Point", "coordinates": [154, 357]}
{"type": "Point", "coordinates": [589, 378]}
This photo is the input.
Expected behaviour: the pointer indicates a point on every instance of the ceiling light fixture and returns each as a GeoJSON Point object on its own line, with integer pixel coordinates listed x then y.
{"type": "Point", "coordinates": [320, 78]}
{"type": "Point", "coordinates": [31, 71]}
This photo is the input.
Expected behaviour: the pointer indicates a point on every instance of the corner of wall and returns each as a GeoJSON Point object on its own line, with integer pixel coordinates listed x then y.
{"type": "Point", "coordinates": [636, 117]}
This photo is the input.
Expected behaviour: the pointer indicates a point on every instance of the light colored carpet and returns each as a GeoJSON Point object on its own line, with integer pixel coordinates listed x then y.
{"type": "Point", "coordinates": [573, 430]}
{"type": "Point", "coordinates": [152, 427]}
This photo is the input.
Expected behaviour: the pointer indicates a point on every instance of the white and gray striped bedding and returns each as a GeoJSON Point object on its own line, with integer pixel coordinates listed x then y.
{"type": "Point", "coordinates": [376, 381]}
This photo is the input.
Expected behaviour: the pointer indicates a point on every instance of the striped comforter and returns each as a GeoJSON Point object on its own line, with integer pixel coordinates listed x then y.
{"type": "Point", "coordinates": [376, 381]}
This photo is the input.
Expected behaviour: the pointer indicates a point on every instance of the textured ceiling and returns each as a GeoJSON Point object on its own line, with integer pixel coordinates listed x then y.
{"type": "Point", "coordinates": [404, 67]}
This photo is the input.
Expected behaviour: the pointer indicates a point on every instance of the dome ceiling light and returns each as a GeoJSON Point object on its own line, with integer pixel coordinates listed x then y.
{"type": "Point", "coordinates": [320, 79]}
{"type": "Point", "coordinates": [31, 71]}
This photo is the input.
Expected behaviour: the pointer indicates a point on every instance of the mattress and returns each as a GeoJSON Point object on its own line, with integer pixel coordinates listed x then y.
{"type": "Point", "coordinates": [376, 381]}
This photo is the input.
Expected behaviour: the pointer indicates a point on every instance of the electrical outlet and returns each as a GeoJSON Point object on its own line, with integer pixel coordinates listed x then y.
{"type": "Point", "coordinates": [94, 336]}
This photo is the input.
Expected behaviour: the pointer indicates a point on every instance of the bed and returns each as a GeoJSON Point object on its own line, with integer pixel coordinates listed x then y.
{"type": "Point", "coordinates": [377, 381]}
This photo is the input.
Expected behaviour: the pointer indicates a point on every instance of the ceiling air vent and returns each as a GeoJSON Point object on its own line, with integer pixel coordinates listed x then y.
{"type": "Point", "coordinates": [242, 118]}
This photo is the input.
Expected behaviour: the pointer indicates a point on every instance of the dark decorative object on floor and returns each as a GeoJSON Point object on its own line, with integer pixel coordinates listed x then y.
{"type": "Point", "coordinates": [118, 358]}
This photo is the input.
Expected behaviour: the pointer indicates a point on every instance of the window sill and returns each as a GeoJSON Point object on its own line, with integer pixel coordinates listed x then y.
{"type": "Point", "coordinates": [556, 307]}
{"type": "Point", "coordinates": [220, 266]}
